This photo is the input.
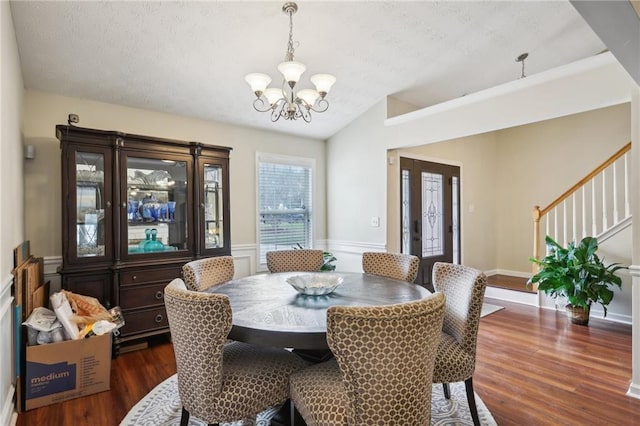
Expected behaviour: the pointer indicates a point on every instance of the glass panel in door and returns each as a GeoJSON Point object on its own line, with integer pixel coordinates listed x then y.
{"type": "Point", "coordinates": [213, 207]}
{"type": "Point", "coordinates": [432, 215]}
{"type": "Point", "coordinates": [90, 204]}
{"type": "Point", "coordinates": [156, 205]}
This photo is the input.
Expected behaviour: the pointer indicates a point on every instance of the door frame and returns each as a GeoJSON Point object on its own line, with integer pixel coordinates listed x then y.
{"type": "Point", "coordinates": [394, 220]}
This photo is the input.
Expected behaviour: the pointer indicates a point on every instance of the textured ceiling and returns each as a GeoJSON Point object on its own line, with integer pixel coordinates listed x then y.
{"type": "Point", "coordinates": [190, 58]}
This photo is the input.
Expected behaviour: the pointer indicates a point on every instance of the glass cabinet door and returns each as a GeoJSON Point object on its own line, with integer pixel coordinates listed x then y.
{"type": "Point", "coordinates": [156, 206]}
{"type": "Point", "coordinates": [213, 207]}
{"type": "Point", "coordinates": [93, 198]}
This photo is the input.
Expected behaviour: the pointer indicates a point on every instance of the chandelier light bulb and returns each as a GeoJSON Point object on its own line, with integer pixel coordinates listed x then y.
{"type": "Point", "coordinates": [323, 83]}
{"type": "Point", "coordinates": [258, 82]}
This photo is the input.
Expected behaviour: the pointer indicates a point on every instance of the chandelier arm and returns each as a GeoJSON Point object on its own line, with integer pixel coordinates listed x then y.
{"type": "Point", "coordinates": [320, 106]}
{"type": "Point", "coordinates": [259, 105]}
{"type": "Point", "coordinates": [305, 113]}
{"type": "Point", "coordinates": [277, 110]}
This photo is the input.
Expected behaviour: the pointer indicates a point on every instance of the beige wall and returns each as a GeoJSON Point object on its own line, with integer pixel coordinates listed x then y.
{"type": "Point", "coordinates": [42, 175]}
{"type": "Point", "coordinates": [477, 158]}
{"type": "Point", "coordinates": [505, 173]}
{"type": "Point", "coordinates": [538, 162]}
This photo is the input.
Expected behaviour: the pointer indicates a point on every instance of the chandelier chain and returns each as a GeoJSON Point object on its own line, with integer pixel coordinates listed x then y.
{"type": "Point", "coordinates": [290, 48]}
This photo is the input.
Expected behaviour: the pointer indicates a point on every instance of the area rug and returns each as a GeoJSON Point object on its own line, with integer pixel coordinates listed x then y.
{"type": "Point", "coordinates": [488, 308]}
{"type": "Point", "coordinates": [161, 407]}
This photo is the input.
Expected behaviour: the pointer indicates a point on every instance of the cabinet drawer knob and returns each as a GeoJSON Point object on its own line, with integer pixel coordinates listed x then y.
{"type": "Point", "coordinates": [159, 318]}
{"type": "Point", "coordinates": [159, 295]}
{"type": "Point", "coordinates": [135, 277]}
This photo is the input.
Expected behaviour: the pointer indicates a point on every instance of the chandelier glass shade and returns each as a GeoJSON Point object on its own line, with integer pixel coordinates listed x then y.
{"type": "Point", "coordinates": [287, 101]}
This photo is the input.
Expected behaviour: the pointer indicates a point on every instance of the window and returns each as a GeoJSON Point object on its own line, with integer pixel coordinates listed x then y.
{"type": "Point", "coordinates": [285, 214]}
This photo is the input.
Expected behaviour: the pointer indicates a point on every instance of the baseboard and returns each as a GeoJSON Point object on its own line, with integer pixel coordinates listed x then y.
{"type": "Point", "coordinates": [514, 296]}
{"type": "Point", "coordinates": [634, 390]}
{"type": "Point", "coordinates": [518, 274]}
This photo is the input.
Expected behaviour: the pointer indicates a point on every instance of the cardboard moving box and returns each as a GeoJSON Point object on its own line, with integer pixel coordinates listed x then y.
{"type": "Point", "coordinates": [60, 371]}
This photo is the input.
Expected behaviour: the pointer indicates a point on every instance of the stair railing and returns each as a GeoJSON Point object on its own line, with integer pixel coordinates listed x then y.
{"type": "Point", "coordinates": [594, 205]}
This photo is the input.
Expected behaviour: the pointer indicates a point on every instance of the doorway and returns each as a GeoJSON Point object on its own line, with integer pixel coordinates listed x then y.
{"type": "Point", "coordinates": [430, 214]}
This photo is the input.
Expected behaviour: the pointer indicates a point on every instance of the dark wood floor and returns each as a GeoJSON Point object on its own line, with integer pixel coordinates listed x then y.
{"type": "Point", "coordinates": [533, 368]}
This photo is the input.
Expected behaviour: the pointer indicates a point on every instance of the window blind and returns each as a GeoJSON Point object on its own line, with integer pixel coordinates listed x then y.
{"type": "Point", "coordinates": [285, 201]}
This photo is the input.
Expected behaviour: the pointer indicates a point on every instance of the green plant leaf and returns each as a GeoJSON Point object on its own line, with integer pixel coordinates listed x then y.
{"type": "Point", "coordinates": [577, 273]}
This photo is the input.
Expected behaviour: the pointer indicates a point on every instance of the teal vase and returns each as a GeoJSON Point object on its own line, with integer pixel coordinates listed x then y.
{"type": "Point", "coordinates": [153, 244]}
{"type": "Point", "coordinates": [144, 242]}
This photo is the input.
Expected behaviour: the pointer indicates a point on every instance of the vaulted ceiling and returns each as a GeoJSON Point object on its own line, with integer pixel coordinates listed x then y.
{"type": "Point", "coordinates": [190, 58]}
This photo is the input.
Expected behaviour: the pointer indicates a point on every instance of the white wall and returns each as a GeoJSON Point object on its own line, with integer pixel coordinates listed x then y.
{"type": "Point", "coordinates": [11, 204]}
{"type": "Point", "coordinates": [44, 111]}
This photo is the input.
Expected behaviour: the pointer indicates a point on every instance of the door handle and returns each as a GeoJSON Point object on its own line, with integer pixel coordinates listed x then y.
{"type": "Point", "coordinates": [416, 226]}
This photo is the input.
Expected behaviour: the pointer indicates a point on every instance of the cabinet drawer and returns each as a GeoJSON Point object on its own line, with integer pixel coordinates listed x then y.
{"type": "Point", "coordinates": [142, 296]}
{"type": "Point", "coordinates": [146, 320]}
{"type": "Point", "coordinates": [142, 276]}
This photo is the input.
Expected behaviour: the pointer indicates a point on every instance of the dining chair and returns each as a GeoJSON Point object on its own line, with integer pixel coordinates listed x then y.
{"type": "Point", "coordinates": [464, 289]}
{"type": "Point", "coordinates": [383, 366]}
{"type": "Point", "coordinates": [202, 274]}
{"type": "Point", "coordinates": [220, 382]}
{"type": "Point", "coordinates": [304, 260]}
{"type": "Point", "coordinates": [391, 265]}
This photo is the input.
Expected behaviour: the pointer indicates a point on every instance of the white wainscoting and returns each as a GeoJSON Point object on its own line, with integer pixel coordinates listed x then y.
{"type": "Point", "coordinates": [7, 354]}
{"type": "Point", "coordinates": [349, 253]}
{"type": "Point", "coordinates": [244, 259]}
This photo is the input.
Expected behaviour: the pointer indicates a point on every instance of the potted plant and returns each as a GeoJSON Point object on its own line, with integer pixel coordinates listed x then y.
{"type": "Point", "coordinates": [578, 274]}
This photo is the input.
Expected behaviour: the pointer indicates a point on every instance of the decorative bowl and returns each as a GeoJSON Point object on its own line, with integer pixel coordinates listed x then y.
{"type": "Point", "coordinates": [315, 284]}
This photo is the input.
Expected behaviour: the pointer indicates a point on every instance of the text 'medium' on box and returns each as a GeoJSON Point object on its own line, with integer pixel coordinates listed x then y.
{"type": "Point", "coordinates": [60, 371]}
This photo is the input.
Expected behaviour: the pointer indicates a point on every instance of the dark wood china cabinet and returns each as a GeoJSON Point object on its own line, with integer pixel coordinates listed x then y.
{"type": "Point", "coordinates": [134, 210]}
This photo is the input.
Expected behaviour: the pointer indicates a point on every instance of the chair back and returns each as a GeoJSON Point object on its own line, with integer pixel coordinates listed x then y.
{"type": "Point", "coordinates": [464, 289]}
{"type": "Point", "coordinates": [201, 274]}
{"type": "Point", "coordinates": [391, 265]}
{"type": "Point", "coordinates": [305, 260]}
{"type": "Point", "coordinates": [386, 355]}
{"type": "Point", "coordinates": [199, 324]}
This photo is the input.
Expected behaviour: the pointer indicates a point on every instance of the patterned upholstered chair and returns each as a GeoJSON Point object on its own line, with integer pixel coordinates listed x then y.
{"type": "Point", "coordinates": [383, 366]}
{"type": "Point", "coordinates": [392, 265]}
{"type": "Point", "coordinates": [202, 274]}
{"type": "Point", "coordinates": [456, 361]}
{"type": "Point", "coordinates": [307, 260]}
{"type": "Point", "coordinates": [217, 382]}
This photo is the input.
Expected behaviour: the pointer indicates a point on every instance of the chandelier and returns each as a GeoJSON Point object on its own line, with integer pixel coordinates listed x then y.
{"type": "Point", "coordinates": [287, 102]}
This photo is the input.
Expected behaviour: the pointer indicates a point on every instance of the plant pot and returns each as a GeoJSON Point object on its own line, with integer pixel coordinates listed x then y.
{"type": "Point", "coordinates": [578, 314]}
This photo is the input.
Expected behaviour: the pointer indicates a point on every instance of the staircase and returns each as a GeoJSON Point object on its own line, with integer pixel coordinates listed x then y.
{"type": "Point", "coordinates": [598, 205]}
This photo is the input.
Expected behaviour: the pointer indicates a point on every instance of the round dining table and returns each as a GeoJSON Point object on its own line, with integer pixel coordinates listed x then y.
{"type": "Point", "coordinates": [268, 311]}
